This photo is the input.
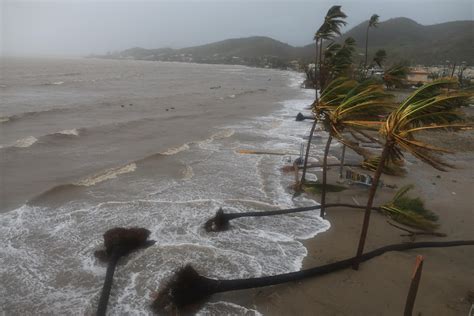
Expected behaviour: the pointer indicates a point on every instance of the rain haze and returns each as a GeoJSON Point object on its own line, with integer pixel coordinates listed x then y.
{"type": "Point", "coordinates": [85, 27]}
{"type": "Point", "coordinates": [121, 142]}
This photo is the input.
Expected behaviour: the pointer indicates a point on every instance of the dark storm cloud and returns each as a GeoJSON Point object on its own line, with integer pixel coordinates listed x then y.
{"type": "Point", "coordinates": [82, 27]}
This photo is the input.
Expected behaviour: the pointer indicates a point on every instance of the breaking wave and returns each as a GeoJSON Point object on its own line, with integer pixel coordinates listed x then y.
{"type": "Point", "coordinates": [108, 174]}
{"type": "Point", "coordinates": [25, 142]}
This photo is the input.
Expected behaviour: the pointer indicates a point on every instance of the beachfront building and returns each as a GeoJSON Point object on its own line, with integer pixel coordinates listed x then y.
{"type": "Point", "coordinates": [417, 75]}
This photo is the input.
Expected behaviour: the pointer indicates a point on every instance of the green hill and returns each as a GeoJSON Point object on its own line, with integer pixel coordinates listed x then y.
{"type": "Point", "coordinates": [405, 39]}
{"type": "Point", "coordinates": [402, 38]}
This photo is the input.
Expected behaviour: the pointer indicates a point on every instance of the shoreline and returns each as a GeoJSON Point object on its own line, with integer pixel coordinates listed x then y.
{"type": "Point", "coordinates": [381, 284]}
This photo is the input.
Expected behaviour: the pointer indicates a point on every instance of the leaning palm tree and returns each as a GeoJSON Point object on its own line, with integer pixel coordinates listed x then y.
{"type": "Point", "coordinates": [395, 76]}
{"type": "Point", "coordinates": [361, 107]}
{"type": "Point", "coordinates": [331, 27]}
{"type": "Point", "coordinates": [373, 22]}
{"type": "Point", "coordinates": [380, 57]}
{"type": "Point", "coordinates": [188, 287]}
{"type": "Point", "coordinates": [429, 108]}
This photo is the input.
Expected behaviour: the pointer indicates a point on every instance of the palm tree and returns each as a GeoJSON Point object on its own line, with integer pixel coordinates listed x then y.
{"type": "Point", "coordinates": [331, 27]}
{"type": "Point", "coordinates": [395, 76]}
{"type": "Point", "coordinates": [428, 108]}
{"type": "Point", "coordinates": [380, 57]}
{"type": "Point", "coordinates": [373, 22]}
{"type": "Point", "coordinates": [401, 208]}
{"type": "Point", "coordinates": [361, 107]}
{"type": "Point", "coordinates": [118, 242]}
{"type": "Point", "coordinates": [188, 287]}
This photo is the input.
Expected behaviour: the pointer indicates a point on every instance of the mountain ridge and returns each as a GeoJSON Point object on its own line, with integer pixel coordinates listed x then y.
{"type": "Point", "coordinates": [402, 38]}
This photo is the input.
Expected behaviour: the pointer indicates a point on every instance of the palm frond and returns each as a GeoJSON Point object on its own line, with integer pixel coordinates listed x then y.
{"type": "Point", "coordinates": [410, 211]}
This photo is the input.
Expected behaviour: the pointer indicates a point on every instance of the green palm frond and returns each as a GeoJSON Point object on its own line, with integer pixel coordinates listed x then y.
{"type": "Point", "coordinates": [410, 211]}
{"type": "Point", "coordinates": [431, 107]}
{"type": "Point", "coordinates": [333, 22]}
{"type": "Point", "coordinates": [391, 168]}
{"type": "Point", "coordinates": [374, 20]}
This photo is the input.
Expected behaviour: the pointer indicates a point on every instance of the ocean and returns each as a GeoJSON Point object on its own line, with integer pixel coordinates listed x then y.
{"type": "Point", "coordinates": [91, 144]}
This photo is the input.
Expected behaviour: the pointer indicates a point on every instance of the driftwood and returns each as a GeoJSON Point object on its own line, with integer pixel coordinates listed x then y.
{"type": "Point", "coordinates": [118, 243]}
{"type": "Point", "coordinates": [189, 287]}
{"type": "Point", "coordinates": [220, 221]}
{"type": "Point", "coordinates": [413, 234]}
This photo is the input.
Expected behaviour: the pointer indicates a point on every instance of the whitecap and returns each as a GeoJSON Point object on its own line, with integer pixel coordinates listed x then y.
{"type": "Point", "coordinates": [25, 142]}
{"type": "Point", "coordinates": [174, 150]}
{"type": "Point", "coordinates": [108, 174]}
{"type": "Point", "coordinates": [72, 132]}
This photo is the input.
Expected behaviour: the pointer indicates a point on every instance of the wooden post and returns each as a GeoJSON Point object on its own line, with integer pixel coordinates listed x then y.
{"type": "Point", "coordinates": [415, 281]}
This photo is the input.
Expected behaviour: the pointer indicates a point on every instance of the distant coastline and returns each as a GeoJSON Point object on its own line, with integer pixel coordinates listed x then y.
{"type": "Point", "coordinates": [402, 38]}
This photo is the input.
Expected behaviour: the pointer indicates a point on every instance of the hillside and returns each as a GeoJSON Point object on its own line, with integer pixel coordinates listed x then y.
{"type": "Point", "coordinates": [402, 38]}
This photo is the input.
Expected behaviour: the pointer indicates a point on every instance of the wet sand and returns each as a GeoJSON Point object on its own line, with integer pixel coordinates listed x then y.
{"type": "Point", "coordinates": [381, 285]}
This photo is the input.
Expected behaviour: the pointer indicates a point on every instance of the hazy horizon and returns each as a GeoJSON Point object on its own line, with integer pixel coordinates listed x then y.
{"type": "Point", "coordinates": [73, 28]}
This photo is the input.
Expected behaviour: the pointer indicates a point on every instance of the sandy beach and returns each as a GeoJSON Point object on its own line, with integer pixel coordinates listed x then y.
{"type": "Point", "coordinates": [89, 145]}
{"type": "Point", "coordinates": [381, 285]}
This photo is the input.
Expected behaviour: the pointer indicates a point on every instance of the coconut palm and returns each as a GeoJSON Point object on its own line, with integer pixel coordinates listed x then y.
{"type": "Point", "coordinates": [338, 59]}
{"type": "Point", "coordinates": [188, 287]}
{"type": "Point", "coordinates": [373, 22]}
{"type": "Point", "coordinates": [361, 107]}
{"type": "Point", "coordinates": [428, 108]}
{"type": "Point", "coordinates": [395, 76]}
{"type": "Point", "coordinates": [380, 57]}
{"type": "Point", "coordinates": [331, 27]}
{"type": "Point", "coordinates": [406, 210]}
{"type": "Point", "coordinates": [118, 242]}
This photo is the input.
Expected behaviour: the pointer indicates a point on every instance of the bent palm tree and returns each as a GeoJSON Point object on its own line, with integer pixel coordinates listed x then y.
{"type": "Point", "coordinates": [428, 108]}
{"type": "Point", "coordinates": [118, 242]}
{"type": "Point", "coordinates": [380, 57]}
{"type": "Point", "coordinates": [373, 22]}
{"type": "Point", "coordinates": [331, 27]}
{"type": "Point", "coordinates": [395, 76]}
{"type": "Point", "coordinates": [361, 107]}
{"type": "Point", "coordinates": [187, 286]}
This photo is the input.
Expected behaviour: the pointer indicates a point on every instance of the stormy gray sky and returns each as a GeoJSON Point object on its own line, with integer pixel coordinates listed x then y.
{"type": "Point", "coordinates": [79, 27]}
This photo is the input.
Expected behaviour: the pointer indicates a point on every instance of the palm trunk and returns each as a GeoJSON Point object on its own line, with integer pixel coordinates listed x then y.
{"type": "Point", "coordinates": [325, 169]}
{"type": "Point", "coordinates": [343, 155]}
{"type": "Point", "coordinates": [220, 221]}
{"type": "Point", "coordinates": [366, 47]}
{"type": "Point", "coordinates": [109, 277]}
{"type": "Point", "coordinates": [189, 287]}
{"type": "Point", "coordinates": [321, 85]}
{"type": "Point", "coordinates": [313, 127]}
{"type": "Point", "coordinates": [241, 284]}
{"type": "Point", "coordinates": [370, 201]}
{"type": "Point", "coordinates": [306, 156]}
{"type": "Point", "coordinates": [315, 80]}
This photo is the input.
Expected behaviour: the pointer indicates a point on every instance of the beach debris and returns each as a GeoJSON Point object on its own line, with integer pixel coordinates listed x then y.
{"type": "Point", "coordinates": [410, 211]}
{"type": "Point", "coordinates": [215, 87]}
{"type": "Point", "coordinates": [413, 234]}
{"type": "Point", "coordinates": [118, 242]}
{"type": "Point", "coordinates": [415, 282]}
{"type": "Point", "coordinates": [187, 286]}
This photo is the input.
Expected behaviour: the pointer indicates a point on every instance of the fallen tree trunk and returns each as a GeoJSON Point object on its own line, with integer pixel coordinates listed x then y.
{"type": "Point", "coordinates": [188, 287]}
{"type": "Point", "coordinates": [221, 220]}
